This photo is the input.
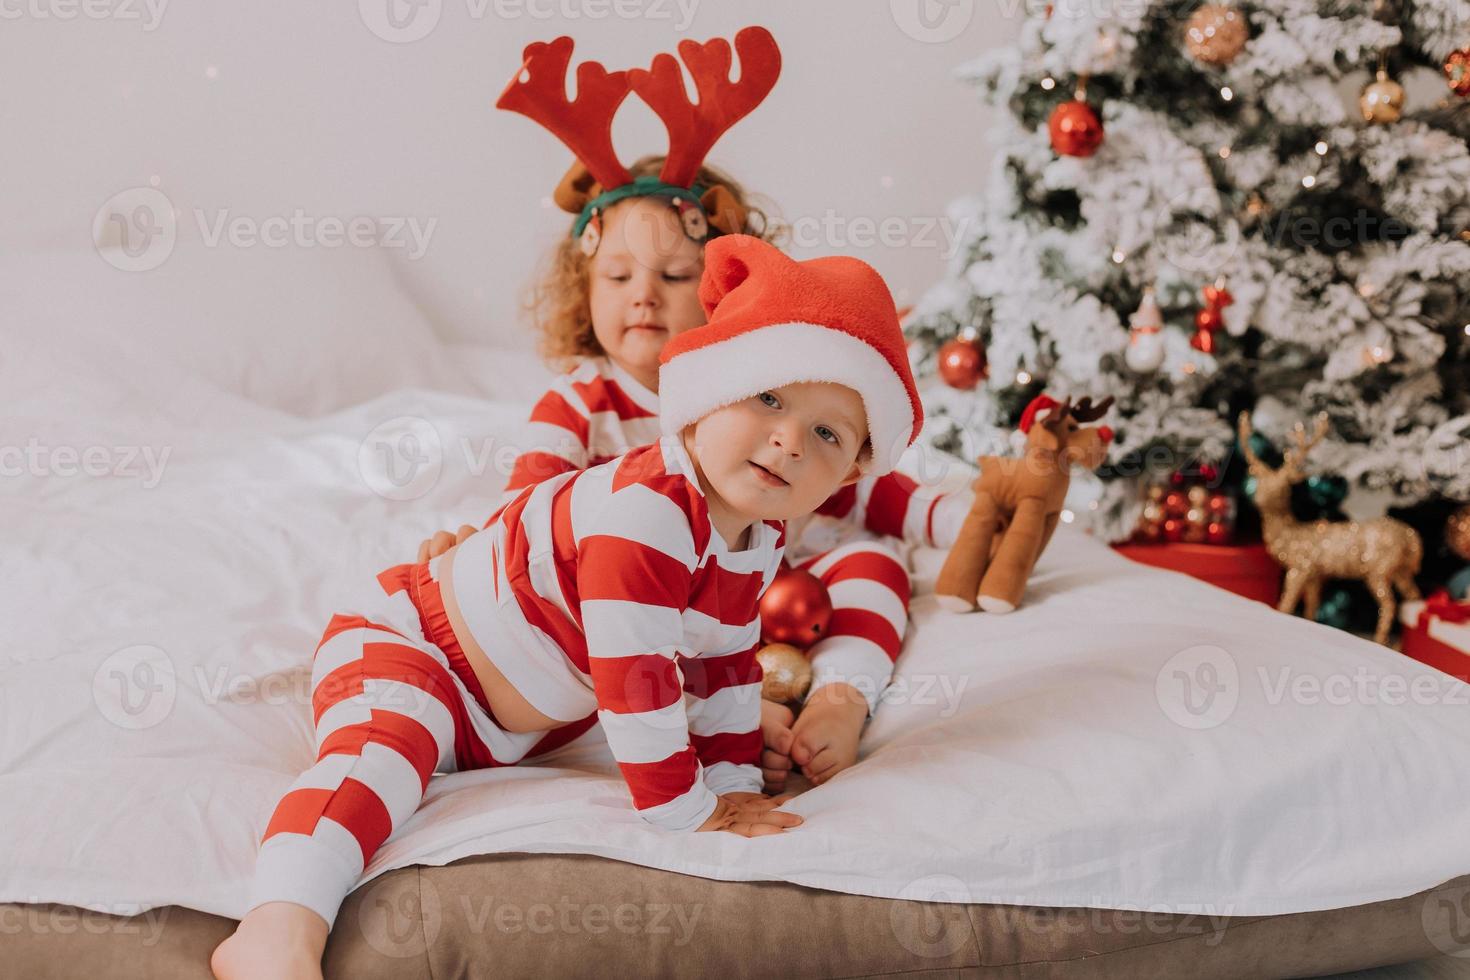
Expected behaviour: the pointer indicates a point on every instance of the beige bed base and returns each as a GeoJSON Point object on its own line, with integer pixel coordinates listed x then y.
{"type": "Point", "coordinates": [533, 915]}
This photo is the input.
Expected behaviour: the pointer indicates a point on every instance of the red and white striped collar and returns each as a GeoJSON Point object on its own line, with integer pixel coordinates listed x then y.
{"type": "Point", "coordinates": [635, 389]}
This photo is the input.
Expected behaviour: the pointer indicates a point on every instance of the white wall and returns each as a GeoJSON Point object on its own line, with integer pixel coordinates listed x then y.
{"type": "Point", "coordinates": [274, 107]}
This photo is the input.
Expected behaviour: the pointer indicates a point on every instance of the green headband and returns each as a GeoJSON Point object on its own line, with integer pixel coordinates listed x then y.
{"type": "Point", "coordinates": [639, 187]}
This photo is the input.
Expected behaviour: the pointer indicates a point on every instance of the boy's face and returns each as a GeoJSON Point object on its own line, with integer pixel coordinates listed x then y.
{"type": "Point", "coordinates": [780, 454]}
{"type": "Point", "coordinates": [644, 283]}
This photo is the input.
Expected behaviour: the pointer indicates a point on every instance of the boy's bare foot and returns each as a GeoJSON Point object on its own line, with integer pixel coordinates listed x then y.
{"type": "Point", "coordinates": [278, 940]}
{"type": "Point", "coordinates": [825, 737]}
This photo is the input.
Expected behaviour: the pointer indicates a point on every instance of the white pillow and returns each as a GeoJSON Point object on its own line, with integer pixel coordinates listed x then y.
{"type": "Point", "coordinates": [303, 330]}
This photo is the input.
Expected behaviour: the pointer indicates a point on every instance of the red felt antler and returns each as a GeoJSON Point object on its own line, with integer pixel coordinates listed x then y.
{"type": "Point", "coordinates": [584, 124]}
{"type": "Point", "coordinates": [695, 127]}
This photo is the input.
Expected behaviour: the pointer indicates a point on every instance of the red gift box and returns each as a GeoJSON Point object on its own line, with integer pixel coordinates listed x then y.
{"type": "Point", "coordinates": [1245, 569]}
{"type": "Point", "coordinates": [1437, 633]}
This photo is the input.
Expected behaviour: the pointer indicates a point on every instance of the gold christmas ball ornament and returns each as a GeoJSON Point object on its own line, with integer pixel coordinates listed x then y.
{"type": "Point", "coordinates": [1457, 532]}
{"type": "Point", "coordinates": [1216, 34]}
{"type": "Point", "coordinates": [1382, 100]}
{"type": "Point", "coordinates": [787, 672]}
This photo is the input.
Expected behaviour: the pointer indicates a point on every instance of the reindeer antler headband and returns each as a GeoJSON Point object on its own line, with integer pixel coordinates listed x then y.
{"type": "Point", "coordinates": [596, 178]}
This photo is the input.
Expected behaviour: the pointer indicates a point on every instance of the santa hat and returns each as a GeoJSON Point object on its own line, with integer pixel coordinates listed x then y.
{"type": "Point", "coordinates": [1039, 404]}
{"type": "Point", "coordinates": [774, 321]}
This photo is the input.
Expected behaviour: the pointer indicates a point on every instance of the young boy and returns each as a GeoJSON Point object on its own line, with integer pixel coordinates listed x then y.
{"type": "Point", "coordinates": [624, 594]}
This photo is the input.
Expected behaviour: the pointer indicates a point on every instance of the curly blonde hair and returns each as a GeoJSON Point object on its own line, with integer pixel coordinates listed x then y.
{"type": "Point", "coordinates": [559, 302]}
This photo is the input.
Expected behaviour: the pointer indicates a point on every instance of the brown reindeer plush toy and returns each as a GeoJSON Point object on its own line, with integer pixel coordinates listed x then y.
{"type": "Point", "coordinates": [1018, 502]}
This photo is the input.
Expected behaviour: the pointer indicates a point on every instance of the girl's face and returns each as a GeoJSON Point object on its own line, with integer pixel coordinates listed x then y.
{"type": "Point", "coordinates": [644, 285]}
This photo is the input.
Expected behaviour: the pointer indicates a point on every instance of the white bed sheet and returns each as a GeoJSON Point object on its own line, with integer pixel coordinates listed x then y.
{"type": "Point", "coordinates": [153, 700]}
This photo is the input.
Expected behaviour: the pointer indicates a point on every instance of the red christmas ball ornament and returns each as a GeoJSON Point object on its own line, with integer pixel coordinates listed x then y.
{"type": "Point", "coordinates": [1218, 532]}
{"type": "Point", "coordinates": [796, 609]}
{"type": "Point", "coordinates": [962, 361]}
{"type": "Point", "coordinates": [1457, 71]}
{"type": "Point", "coordinates": [1210, 320]}
{"type": "Point", "coordinates": [1209, 472]}
{"type": "Point", "coordinates": [1174, 529]}
{"type": "Point", "coordinates": [1217, 296]}
{"type": "Point", "coordinates": [1075, 129]}
{"type": "Point", "coordinates": [1175, 503]}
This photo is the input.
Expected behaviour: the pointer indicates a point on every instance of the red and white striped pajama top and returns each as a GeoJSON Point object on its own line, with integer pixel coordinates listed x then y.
{"type": "Point", "coordinates": [608, 590]}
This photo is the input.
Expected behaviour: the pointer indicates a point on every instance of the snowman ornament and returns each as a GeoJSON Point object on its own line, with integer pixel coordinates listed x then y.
{"type": "Point", "coordinates": [1145, 353]}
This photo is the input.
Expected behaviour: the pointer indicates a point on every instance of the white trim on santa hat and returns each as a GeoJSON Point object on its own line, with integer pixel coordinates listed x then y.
{"type": "Point", "coordinates": [696, 382]}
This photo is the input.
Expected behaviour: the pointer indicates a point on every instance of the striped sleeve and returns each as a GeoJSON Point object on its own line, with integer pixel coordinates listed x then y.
{"type": "Point", "coordinates": [947, 515]}
{"type": "Point", "coordinates": [556, 439]}
{"type": "Point", "coordinates": [896, 505]}
{"type": "Point", "coordinates": [723, 702]}
{"type": "Point", "coordinates": [635, 565]}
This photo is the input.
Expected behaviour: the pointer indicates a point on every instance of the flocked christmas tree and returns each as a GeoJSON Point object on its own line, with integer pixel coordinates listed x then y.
{"type": "Point", "coordinates": [1196, 172]}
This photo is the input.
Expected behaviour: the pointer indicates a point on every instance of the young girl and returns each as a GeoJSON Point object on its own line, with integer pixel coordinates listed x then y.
{"type": "Point", "coordinates": [625, 594]}
{"type": "Point", "coordinates": [615, 296]}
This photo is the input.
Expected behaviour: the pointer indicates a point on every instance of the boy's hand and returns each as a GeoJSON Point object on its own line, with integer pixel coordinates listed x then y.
{"type": "Point", "coordinates": [776, 734]}
{"type": "Point", "coordinates": [442, 542]}
{"type": "Point", "coordinates": [825, 737]}
{"type": "Point", "coordinates": [750, 815]}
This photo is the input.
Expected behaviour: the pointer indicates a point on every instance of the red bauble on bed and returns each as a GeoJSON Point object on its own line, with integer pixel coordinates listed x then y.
{"type": "Point", "coordinates": [795, 609]}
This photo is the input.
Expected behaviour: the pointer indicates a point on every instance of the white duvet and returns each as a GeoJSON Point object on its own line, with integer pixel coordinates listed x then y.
{"type": "Point", "coordinates": [1129, 738]}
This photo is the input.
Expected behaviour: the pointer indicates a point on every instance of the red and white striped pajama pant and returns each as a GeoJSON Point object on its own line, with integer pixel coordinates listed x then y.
{"type": "Point", "coordinates": [869, 587]}
{"type": "Point", "coordinates": [393, 701]}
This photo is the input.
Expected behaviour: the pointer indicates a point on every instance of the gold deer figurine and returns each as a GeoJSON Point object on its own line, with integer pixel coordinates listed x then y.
{"type": "Point", "coordinates": [1384, 553]}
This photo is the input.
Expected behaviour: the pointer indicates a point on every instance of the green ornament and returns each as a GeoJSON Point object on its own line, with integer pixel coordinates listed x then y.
{"type": "Point", "coordinates": [1249, 485]}
{"type": "Point", "coordinates": [1334, 610]}
{"type": "Point", "coordinates": [1327, 491]}
{"type": "Point", "coordinates": [1264, 449]}
{"type": "Point", "coordinates": [1459, 584]}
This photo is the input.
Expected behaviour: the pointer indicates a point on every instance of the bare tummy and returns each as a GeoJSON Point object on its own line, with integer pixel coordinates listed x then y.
{"type": "Point", "coordinates": [512, 710]}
